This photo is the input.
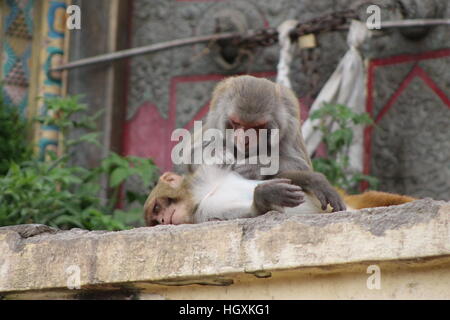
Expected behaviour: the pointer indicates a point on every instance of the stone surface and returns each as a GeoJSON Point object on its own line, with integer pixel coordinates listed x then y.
{"type": "Point", "coordinates": [222, 253]}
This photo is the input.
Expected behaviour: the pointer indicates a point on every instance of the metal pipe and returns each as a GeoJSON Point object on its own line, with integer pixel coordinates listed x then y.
{"type": "Point", "coordinates": [219, 36]}
{"type": "Point", "coordinates": [142, 50]}
{"type": "Point", "coordinates": [414, 23]}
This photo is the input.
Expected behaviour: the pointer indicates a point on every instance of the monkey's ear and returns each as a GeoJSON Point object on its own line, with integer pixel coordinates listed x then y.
{"type": "Point", "coordinates": [172, 179]}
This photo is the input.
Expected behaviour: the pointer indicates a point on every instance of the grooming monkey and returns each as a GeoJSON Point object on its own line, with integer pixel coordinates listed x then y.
{"type": "Point", "coordinates": [245, 102]}
{"type": "Point", "coordinates": [219, 194]}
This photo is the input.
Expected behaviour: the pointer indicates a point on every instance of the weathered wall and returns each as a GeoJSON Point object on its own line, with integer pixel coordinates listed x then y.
{"type": "Point", "coordinates": [409, 97]}
{"type": "Point", "coordinates": [276, 256]}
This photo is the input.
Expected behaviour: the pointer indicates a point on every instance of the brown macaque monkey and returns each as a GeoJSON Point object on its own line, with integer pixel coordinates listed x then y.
{"type": "Point", "coordinates": [218, 194]}
{"type": "Point", "coordinates": [246, 102]}
{"type": "Point", "coordinates": [213, 193]}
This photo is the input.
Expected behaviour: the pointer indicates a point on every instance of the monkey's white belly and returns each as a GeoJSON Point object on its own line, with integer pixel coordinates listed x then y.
{"type": "Point", "coordinates": [227, 195]}
{"type": "Point", "coordinates": [221, 194]}
{"type": "Point", "coordinates": [235, 191]}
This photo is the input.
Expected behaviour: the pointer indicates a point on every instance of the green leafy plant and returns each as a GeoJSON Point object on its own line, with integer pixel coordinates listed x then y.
{"type": "Point", "coordinates": [14, 146]}
{"type": "Point", "coordinates": [337, 137]}
{"type": "Point", "coordinates": [59, 194]}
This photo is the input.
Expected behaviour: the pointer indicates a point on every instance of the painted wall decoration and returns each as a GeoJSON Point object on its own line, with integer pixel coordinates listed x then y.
{"type": "Point", "coordinates": [409, 98]}
{"type": "Point", "coordinates": [19, 34]}
{"type": "Point", "coordinates": [17, 38]}
{"type": "Point", "coordinates": [51, 53]}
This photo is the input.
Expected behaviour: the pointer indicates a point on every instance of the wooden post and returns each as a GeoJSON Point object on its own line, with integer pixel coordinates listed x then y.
{"type": "Point", "coordinates": [103, 30]}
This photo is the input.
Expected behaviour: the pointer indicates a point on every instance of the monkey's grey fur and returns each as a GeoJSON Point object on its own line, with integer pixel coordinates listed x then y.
{"type": "Point", "coordinates": [253, 99]}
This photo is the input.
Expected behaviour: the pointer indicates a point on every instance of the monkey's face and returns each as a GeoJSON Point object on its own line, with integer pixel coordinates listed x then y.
{"type": "Point", "coordinates": [251, 104]}
{"type": "Point", "coordinates": [165, 210]}
{"type": "Point", "coordinates": [169, 202]}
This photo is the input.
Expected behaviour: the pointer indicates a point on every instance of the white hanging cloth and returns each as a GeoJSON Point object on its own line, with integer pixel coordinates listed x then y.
{"type": "Point", "coordinates": [346, 86]}
{"type": "Point", "coordinates": [286, 52]}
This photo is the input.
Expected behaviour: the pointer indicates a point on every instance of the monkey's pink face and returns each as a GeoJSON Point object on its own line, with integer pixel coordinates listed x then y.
{"type": "Point", "coordinates": [169, 211]}
{"type": "Point", "coordinates": [246, 133]}
{"type": "Point", "coordinates": [166, 210]}
{"type": "Point", "coordinates": [236, 123]}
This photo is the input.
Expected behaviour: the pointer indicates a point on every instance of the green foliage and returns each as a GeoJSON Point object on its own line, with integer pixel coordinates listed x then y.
{"type": "Point", "coordinates": [336, 166]}
{"type": "Point", "coordinates": [13, 137]}
{"type": "Point", "coordinates": [58, 194]}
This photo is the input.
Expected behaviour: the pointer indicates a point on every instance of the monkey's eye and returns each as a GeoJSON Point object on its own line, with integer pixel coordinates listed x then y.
{"type": "Point", "coordinates": [156, 208]}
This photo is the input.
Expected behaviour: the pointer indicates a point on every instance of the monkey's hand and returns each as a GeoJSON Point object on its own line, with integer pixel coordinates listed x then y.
{"type": "Point", "coordinates": [276, 193]}
{"type": "Point", "coordinates": [315, 183]}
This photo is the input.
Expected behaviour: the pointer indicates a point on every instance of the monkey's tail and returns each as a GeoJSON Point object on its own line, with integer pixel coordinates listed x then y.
{"type": "Point", "coordinates": [371, 199]}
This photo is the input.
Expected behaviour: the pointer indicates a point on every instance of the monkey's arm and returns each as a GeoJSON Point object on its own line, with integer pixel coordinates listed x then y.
{"type": "Point", "coordinates": [252, 199]}
{"type": "Point", "coordinates": [315, 183]}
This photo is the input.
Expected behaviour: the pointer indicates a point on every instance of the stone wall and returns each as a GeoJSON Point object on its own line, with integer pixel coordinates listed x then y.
{"type": "Point", "coordinates": [408, 86]}
{"type": "Point", "coordinates": [275, 256]}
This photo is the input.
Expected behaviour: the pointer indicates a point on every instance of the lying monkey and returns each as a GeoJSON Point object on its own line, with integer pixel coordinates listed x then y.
{"type": "Point", "coordinates": [212, 193]}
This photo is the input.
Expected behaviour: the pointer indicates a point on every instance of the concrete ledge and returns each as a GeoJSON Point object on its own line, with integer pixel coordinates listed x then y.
{"type": "Point", "coordinates": [218, 253]}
